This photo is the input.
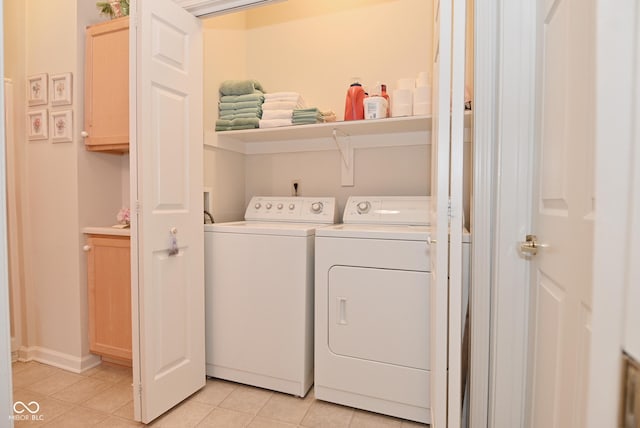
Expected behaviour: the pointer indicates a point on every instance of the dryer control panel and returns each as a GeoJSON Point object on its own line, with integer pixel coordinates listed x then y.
{"type": "Point", "coordinates": [292, 209]}
{"type": "Point", "coordinates": [406, 210]}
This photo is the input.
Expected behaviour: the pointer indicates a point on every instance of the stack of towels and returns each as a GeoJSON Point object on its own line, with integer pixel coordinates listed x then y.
{"type": "Point", "coordinates": [307, 116]}
{"type": "Point", "coordinates": [278, 109]}
{"type": "Point", "coordinates": [240, 105]}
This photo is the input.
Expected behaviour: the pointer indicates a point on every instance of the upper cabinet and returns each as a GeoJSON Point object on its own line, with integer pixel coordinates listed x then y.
{"type": "Point", "coordinates": [106, 116]}
{"type": "Point", "coordinates": [215, 7]}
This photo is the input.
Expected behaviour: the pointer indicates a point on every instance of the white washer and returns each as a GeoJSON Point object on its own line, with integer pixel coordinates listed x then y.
{"type": "Point", "coordinates": [372, 307]}
{"type": "Point", "coordinates": [259, 293]}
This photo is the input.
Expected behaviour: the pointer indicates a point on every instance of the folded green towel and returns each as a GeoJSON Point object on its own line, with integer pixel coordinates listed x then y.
{"type": "Point", "coordinates": [307, 116]}
{"type": "Point", "coordinates": [240, 87]}
{"type": "Point", "coordinates": [236, 115]}
{"type": "Point", "coordinates": [241, 105]}
{"type": "Point", "coordinates": [303, 111]}
{"type": "Point", "coordinates": [256, 96]}
{"type": "Point", "coordinates": [237, 123]}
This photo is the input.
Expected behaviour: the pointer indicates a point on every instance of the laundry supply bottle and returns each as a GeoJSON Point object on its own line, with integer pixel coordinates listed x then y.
{"type": "Point", "coordinates": [376, 106]}
{"type": "Point", "coordinates": [383, 94]}
{"type": "Point", "coordinates": [354, 106]}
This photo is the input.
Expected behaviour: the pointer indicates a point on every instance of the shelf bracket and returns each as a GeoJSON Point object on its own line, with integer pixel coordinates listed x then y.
{"type": "Point", "coordinates": [346, 152]}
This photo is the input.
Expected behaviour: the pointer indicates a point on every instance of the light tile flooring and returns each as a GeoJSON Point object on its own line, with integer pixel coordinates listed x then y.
{"type": "Point", "coordinates": [102, 397]}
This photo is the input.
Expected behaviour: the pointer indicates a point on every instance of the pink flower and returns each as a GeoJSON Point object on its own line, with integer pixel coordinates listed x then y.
{"type": "Point", "coordinates": [124, 216]}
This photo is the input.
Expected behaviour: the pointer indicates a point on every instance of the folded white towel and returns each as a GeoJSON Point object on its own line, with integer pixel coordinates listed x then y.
{"type": "Point", "coordinates": [278, 95]}
{"type": "Point", "coordinates": [274, 123]}
{"type": "Point", "coordinates": [277, 114]}
{"type": "Point", "coordinates": [280, 105]}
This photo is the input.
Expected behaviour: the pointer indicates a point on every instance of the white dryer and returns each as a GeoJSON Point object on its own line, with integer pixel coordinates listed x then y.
{"type": "Point", "coordinates": [259, 293]}
{"type": "Point", "coordinates": [372, 328]}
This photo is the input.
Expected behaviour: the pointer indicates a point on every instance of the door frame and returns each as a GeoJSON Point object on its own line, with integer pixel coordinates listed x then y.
{"type": "Point", "coordinates": [503, 144]}
{"type": "Point", "coordinates": [616, 118]}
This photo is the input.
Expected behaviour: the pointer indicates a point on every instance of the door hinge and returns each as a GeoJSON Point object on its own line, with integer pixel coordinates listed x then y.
{"type": "Point", "coordinates": [139, 390]}
{"type": "Point", "coordinates": [449, 215]}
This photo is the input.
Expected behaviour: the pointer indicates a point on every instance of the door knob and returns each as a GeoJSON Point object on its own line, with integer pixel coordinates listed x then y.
{"type": "Point", "coordinates": [530, 246]}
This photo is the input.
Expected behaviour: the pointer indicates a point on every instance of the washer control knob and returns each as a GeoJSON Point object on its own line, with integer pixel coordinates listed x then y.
{"type": "Point", "coordinates": [280, 206]}
{"type": "Point", "coordinates": [316, 207]}
{"type": "Point", "coordinates": [258, 205]}
{"type": "Point", "coordinates": [363, 207]}
{"type": "Point", "coordinates": [292, 206]}
{"type": "Point", "coordinates": [269, 205]}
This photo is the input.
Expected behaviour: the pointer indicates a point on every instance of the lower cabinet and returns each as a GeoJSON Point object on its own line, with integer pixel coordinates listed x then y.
{"type": "Point", "coordinates": [109, 282]}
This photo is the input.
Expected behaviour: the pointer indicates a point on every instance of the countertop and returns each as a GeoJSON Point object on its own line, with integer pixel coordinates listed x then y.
{"type": "Point", "coordinates": [106, 230]}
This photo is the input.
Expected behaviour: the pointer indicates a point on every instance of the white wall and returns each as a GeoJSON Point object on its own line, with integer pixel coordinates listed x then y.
{"type": "Point", "coordinates": [224, 171]}
{"type": "Point", "coordinates": [315, 48]}
{"type": "Point", "coordinates": [378, 171]}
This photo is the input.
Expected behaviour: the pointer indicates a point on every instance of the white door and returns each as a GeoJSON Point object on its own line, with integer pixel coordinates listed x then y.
{"type": "Point", "coordinates": [446, 251]}
{"type": "Point", "coordinates": [167, 234]}
{"type": "Point", "coordinates": [563, 214]}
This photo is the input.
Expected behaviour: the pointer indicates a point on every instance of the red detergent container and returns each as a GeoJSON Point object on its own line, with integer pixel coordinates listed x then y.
{"type": "Point", "coordinates": [354, 106]}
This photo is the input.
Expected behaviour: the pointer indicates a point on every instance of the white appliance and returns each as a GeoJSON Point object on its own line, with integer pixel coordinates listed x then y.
{"type": "Point", "coordinates": [372, 322]}
{"type": "Point", "coordinates": [259, 293]}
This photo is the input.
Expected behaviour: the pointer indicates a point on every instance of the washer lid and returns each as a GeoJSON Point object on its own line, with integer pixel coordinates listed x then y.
{"type": "Point", "coordinates": [264, 228]}
{"type": "Point", "coordinates": [376, 231]}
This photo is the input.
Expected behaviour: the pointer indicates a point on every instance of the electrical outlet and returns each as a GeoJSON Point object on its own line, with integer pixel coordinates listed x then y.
{"type": "Point", "coordinates": [295, 187]}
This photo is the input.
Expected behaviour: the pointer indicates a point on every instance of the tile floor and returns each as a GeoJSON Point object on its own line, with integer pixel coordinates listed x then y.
{"type": "Point", "coordinates": [102, 397]}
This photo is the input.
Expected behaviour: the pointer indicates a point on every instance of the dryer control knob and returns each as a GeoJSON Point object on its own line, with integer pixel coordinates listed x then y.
{"type": "Point", "coordinates": [280, 206]}
{"type": "Point", "coordinates": [316, 207]}
{"type": "Point", "coordinates": [292, 206]}
{"type": "Point", "coordinates": [363, 207]}
{"type": "Point", "coordinates": [258, 205]}
{"type": "Point", "coordinates": [269, 205]}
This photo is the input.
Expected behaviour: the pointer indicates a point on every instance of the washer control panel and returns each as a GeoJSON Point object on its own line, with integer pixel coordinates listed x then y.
{"type": "Point", "coordinates": [292, 209]}
{"type": "Point", "coordinates": [407, 210]}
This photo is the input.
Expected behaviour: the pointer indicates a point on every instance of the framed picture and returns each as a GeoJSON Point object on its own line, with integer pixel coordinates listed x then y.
{"type": "Point", "coordinates": [61, 126]}
{"type": "Point", "coordinates": [37, 124]}
{"type": "Point", "coordinates": [37, 89]}
{"type": "Point", "coordinates": [60, 89]}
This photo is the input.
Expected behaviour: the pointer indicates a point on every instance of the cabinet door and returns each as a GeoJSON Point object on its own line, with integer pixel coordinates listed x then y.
{"type": "Point", "coordinates": [109, 281]}
{"type": "Point", "coordinates": [107, 86]}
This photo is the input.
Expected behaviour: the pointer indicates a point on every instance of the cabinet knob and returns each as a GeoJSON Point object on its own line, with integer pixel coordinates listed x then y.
{"type": "Point", "coordinates": [84, 134]}
{"type": "Point", "coordinates": [86, 247]}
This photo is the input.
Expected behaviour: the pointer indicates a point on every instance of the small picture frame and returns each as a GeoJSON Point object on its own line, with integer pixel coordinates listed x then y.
{"type": "Point", "coordinates": [61, 126]}
{"type": "Point", "coordinates": [37, 89]}
{"type": "Point", "coordinates": [37, 128]}
{"type": "Point", "coordinates": [60, 88]}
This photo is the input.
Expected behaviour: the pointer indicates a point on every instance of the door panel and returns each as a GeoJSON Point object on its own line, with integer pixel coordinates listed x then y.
{"type": "Point", "coordinates": [563, 214]}
{"type": "Point", "coordinates": [548, 338]}
{"type": "Point", "coordinates": [169, 359]}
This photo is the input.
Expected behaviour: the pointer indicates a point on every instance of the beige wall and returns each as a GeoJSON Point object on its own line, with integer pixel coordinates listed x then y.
{"type": "Point", "coordinates": [63, 187]}
{"type": "Point", "coordinates": [315, 48]}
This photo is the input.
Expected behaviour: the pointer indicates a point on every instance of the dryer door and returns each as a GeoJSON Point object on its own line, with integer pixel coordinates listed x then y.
{"type": "Point", "coordinates": [380, 315]}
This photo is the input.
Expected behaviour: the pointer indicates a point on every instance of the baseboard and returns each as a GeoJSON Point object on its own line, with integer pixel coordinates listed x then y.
{"type": "Point", "coordinates": [58, 359]}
